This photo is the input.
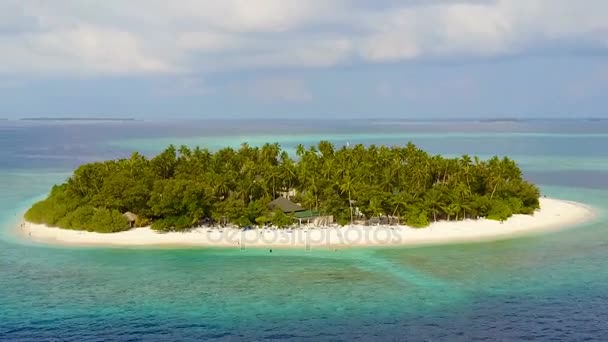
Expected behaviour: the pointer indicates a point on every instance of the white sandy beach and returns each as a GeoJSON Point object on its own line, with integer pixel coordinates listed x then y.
{"type": "Point", "coordinates": [553, 215]}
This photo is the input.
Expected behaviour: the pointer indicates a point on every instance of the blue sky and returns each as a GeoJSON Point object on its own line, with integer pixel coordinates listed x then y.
{"type": "Point", "coordinates": [304, 58]}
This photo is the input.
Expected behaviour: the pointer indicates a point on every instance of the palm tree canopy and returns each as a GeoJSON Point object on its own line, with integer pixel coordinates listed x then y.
{"type": "Point", "coordinates": [181, 186]}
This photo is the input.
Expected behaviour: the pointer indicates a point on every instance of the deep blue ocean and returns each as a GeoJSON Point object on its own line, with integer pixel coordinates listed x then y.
{"type": "Point", "coordinates": [549, 287]}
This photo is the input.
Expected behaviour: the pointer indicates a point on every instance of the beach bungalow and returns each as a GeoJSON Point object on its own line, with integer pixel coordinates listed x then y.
{"type": "Point", "coordinates": [287, 206]}
{"type": "Point", "coordinates": [132, 218]}
{"type": "Point", "coordinates": [302, 215]}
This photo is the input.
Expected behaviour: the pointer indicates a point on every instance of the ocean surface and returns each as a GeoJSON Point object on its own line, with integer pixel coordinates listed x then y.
{"type": "Point", "coordinates": [543, 287]}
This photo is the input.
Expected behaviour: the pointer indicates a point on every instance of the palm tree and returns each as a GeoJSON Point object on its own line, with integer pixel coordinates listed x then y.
{"type": "Point", "coordinates": [326, 148]}
{"type": "Point", "coordinates": [433, 201]}
{"type": "Point", "coordinates": [273, 177]}
{"type": "Point", "coordinates": [402, 199]}
{"type": "Point", "coordinates": [347, 186]}
{"type": "Point", "coordinates": [465, 164]}
{"type": "Point", "coordinates": [396, 181]}
{"type": "Point", "coordinates": [453, 209]}
{"type": "Point", "coordinates": [287, 171]}
{"type": "Point", "coordinates": [221, 186]}
{"type": "Point", "coordinates": [300, 150]}
{"type": "Point", "coordinates": [495, 177]}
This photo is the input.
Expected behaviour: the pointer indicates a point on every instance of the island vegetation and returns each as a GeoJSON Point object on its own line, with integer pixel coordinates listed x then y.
{"type": "Point", "coordinates": [180, 188]}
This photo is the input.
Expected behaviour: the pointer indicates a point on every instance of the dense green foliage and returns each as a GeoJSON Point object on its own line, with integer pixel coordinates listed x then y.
{"type": "Point", "coordinates": [178, 188]}
{"type": "Point", "coordinates": [66, 211]}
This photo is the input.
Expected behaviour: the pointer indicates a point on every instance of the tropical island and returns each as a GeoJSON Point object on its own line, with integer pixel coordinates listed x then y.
{"type": "Point", "coordinates": [183, 189]}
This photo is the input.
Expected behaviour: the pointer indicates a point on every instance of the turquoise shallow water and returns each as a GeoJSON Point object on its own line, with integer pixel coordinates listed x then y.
{"type": "Point", "coordinates": [544, 287]}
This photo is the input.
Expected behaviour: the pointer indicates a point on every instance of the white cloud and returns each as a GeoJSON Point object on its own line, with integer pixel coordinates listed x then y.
{"type": "Point", "coordinates": [160, 36]}
{"type": "Point", "coordinates": [481, 29]}
{"type": "Point", "coordinates": [82, 49]}
{"type": "Point", "coordinates": [243, 16]}
{"type": "Point", "coordinates": [474, 28]}
{"type": "Point", "coordinates": [390, 45]}
{"type": "Point", "coordinates": [208, 41]}
{"type": "Point", "coordinates": [303, 52]}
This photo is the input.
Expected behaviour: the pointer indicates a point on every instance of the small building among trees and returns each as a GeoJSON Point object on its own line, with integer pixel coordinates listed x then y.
{"type": "Point", "coordinates": [300, 214]}
{"type": "Point", "coordinates": [286, 206]}
{"type": "Point", "coordinates": [132, 218]}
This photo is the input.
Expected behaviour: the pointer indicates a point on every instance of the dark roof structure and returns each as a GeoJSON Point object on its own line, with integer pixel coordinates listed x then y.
{"type": "Point", "coordinates": [304, 214]}
{"type": "Point", "coordinates": [285, 205]}
{"type": "Point", "coordinates": [130, 216]}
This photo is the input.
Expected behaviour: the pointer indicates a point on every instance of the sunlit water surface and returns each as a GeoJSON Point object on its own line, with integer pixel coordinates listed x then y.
{"type": "Point", "coordinates": [545, 287]}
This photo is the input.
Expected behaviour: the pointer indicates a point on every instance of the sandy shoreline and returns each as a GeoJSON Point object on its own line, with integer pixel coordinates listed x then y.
{"type": "Point", "coordinates": [553, 215]}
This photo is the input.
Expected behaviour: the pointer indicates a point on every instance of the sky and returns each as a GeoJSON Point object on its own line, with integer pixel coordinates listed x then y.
{"type": "Point", "coordinates": [414, 59]}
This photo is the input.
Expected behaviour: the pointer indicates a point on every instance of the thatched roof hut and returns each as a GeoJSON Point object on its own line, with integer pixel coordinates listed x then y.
{"type": "Point", "coordinates": [130, 216]}
{"type": "Point", "coordinates": [285, 205]}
